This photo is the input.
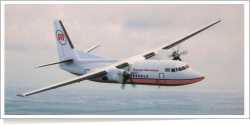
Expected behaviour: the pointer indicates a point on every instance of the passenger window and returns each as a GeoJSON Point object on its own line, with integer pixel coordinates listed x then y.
{"type": "Point", "coordinates": [144, 76]}
{"type": "Point", "coordinates": [138, 76]}
{"type": "Point", "coordinates": [141, 75]}
{"type": "Point", "coordinates": [167, 69]}
{"type": "Point", "coordinates": [147, 76]}
{"type": "Point", "coordinates": [173, 70]}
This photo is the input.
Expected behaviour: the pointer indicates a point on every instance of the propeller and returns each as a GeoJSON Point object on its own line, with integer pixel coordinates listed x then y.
{"type": "Point", "coordinates": [133, 85]}
{"type": "Point", "coordinates": [123, 86]}
{"type": "Point", "coordinates": [176, 55]}
{"type": "Point", "coordinates": [126, 75]}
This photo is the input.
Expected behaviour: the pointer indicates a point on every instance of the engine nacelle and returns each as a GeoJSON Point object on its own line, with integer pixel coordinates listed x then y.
{"type": "Point", "coordinates": [118, 75]}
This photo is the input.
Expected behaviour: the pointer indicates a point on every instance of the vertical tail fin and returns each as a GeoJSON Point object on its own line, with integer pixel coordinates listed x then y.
{"type": "Point", "coordinates": [64, 45]}
{"type": "Point", "coordinates": [72, 60]}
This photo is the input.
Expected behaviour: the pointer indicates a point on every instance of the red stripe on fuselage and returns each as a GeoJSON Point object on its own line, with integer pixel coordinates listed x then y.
{"type": "Point", "coordinates": [77, 74]}
{"type": "Point", "coordinates": [157, 81]}
{"type": "Point", "coordinates": [170, 82]}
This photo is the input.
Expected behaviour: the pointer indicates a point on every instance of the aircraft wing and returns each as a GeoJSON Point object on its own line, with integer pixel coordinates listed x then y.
{"type": "Point", "coordinates": [148, 54]}
{"type": "Point", "coordinates": [178, 41]}
{"type": "Point", "coordinates": [166, 47]}
{"type": "Point", "coordinates": [126, 62]}
{"type": "Point", "coordinates": [78, 79]}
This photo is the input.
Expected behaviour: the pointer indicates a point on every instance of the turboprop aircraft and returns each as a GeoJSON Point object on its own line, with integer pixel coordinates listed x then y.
{"type": "Point", "coordinates": [147, 68]}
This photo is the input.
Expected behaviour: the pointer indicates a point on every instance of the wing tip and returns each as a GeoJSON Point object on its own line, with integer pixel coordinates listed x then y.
{"type": "Point", "coordinates": [218, 20]}
{"type": "Point", "coordinates": [20, 95]}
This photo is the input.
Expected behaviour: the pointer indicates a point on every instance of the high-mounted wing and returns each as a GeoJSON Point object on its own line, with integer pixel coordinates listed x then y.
{"type": "Point", "coordinates": [78, 79]}
{"type": "Point", "coordinates": [176, 42]}
{"type": "Point", "coordinates": [146, 55]}
{"type": "Point", "coordinates": [189, 36]}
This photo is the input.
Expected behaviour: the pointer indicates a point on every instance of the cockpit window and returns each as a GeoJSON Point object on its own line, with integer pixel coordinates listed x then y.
{"type": "Point", "coordinates": [181, 68]}
{"type": "Point", "coordinates": [177, 69]}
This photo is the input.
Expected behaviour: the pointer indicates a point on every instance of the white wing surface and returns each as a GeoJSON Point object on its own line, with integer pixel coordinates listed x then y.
{"type": "Point", "coordinates": [166, 47]}
{"type": "Point", "coordinates": [78, 79]}
{"type": "Point", "coordinates": [178, 41]}
{"type": "Point", "coordinates": [153, 52]}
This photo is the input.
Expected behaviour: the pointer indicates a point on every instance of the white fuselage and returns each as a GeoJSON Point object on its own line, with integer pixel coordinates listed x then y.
{"type": "Point", "coordinates": [147, 72]}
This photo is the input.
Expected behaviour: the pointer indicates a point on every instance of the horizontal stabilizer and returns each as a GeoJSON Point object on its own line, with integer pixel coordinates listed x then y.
{"type": "Point", "coordinates": [92, 48]}
{"type": "Point", "coordinates": [70, 60]}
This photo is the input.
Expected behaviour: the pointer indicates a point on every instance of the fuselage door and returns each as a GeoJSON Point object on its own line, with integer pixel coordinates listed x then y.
{"type": "Point", "coordinates": [161, 78]}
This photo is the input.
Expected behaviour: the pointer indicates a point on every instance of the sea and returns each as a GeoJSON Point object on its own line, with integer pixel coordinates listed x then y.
{"type": "Point", "coordinates": [122, 102]}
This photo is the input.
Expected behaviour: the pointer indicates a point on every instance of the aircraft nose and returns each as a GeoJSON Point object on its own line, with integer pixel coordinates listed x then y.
{"type": "Point", "coordinates": [198, 75]}
{"type": "Point", "coordinates": [193, 74]}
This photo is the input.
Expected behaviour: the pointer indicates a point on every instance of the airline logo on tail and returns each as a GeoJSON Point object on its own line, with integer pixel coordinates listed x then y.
{"type": "Point", "coordinates": [61, 37]}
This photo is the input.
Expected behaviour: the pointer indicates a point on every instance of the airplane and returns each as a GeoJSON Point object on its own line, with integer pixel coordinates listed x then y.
{"type": "Point", "coordinates": [148, 68]}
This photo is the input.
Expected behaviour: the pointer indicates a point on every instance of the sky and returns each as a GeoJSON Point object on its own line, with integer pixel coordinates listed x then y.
{"type": "Point", "coordinates": [124, 31]}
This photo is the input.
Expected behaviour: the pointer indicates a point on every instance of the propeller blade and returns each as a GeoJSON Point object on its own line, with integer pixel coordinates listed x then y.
{"type": "Point", "coordinates": [178, 48]}
{"type": "Point", "coordinates": [173, 49]}
{"type": "Point", "coordinates": [179, 58]}
{"type": "Point", "coordinates": [133, 85]}
{"type": "Point", "coordinates": [170, 56]}
{"type": "Point", "coordinates": [123, 86]}
{"type": "Point", "coordinates": [184, 52]}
